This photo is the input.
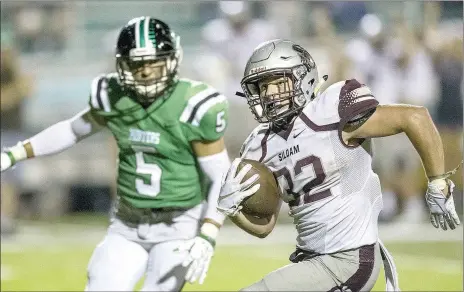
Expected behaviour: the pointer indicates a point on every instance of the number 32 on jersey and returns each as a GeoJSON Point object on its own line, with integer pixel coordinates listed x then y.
{"type": "Point", "coordinates": [284, 177]}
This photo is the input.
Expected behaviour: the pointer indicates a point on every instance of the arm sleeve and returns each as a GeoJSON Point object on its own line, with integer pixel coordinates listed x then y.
{"type": "Point", "coordinates": [64, 134]}
{"type": "Point", "coordinates": [214, 166]}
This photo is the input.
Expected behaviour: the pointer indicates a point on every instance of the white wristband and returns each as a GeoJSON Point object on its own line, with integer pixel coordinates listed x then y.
{"type": "Point", "coordinates": [209, 230]}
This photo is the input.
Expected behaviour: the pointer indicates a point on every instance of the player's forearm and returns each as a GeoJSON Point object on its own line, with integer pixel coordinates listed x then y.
{"type": "Point", "coordinates": [259, 227]}
{"type": "Point", "coordinates": [214, 166]}
{"type": "Point", "coordinates": [54, 139]}
{"type": "Point", "coordinates": [423, 134]}
{"type": "Point", "coordinates": [212, 214]}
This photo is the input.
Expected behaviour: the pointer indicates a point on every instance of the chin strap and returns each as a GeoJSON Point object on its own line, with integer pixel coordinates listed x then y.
{"type": "Point", "coordinates": [240, 94]}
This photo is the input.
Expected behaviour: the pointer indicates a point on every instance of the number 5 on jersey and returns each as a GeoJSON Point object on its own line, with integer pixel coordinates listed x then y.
{"type": "Point", "coordinates": [153, 188]}
{"type": "Point", "coordinates": [220, 122]}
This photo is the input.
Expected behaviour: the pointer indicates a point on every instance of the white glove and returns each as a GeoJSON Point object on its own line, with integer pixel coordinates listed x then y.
{"type": "Point", "coordinates": [5, 162]}
{"type": "Point", "coordinates": [10, 156]}
{"type": "Point", "coordinates": [200, 251]}
{"type": "Point", "coordinates": [233, 191]}
{"type": "Point", "coordinates": [442, 210]}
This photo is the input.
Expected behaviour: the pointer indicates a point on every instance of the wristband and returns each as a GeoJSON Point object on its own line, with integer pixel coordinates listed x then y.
{"type": "Point", "coordinates": [209, 232]}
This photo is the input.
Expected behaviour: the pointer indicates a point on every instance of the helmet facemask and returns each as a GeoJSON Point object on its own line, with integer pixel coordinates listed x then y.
{"type": "Point", "coordinates": [148, 73]}
{"type": "Point", "coordinates": [286, 100]}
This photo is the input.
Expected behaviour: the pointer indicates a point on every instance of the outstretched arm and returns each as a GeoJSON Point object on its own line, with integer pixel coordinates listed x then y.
{"type": "Point", "coordinates": [54, 139]}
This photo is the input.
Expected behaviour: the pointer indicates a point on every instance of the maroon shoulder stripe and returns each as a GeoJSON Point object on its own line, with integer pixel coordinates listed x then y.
{"type": "Point", "coordinates": [264, 145]}
{"type": "Point", "coordinates": [317, 128]}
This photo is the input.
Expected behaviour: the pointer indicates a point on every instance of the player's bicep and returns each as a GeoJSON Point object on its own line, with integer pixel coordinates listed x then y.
{"type": "Point", "coordinates": [387, 120]}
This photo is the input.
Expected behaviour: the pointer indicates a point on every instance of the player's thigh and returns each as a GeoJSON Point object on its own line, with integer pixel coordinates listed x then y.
{"type": "Point", "coordinates": [357, 270]}
{"type": "Point", "coordinates": [302, 276]}
{"type": "Point", "coordinates": [116, 264]}
{"type": "Point", "coordinates": [164, 269]}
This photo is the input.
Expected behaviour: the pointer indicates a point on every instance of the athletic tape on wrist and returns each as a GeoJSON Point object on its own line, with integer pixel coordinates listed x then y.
{"type": "Point", "coordinates": [447, 174]}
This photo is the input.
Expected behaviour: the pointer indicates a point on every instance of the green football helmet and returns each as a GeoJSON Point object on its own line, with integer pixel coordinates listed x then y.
{"type": "Point", "coordinates": [148, 54]}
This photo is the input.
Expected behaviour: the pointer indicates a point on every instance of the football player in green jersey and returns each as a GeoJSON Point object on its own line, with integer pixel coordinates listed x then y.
{"type": "Point", "coordinates": [169, 132]}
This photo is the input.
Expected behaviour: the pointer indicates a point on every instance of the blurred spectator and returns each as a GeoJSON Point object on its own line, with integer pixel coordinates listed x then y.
{"type": "Point", "coordinates": [329, 60]}
{"type": "Point", "coordinates": [371, 65]}
{"type": "Point", "coordinates": [418, 86]}
{"type": "Point", "coordinates": [449, 114]}
{"type": "Point", "coordinates": [29, 23]}
{"type": "Point", "coordinates": [230, 40]}
{"type": "Point", "coordinates": [347, 14]}
{"type": "Point", "coordinates": [41, 27]}
{"type": "Point", "coordinates": [15, 87]}
{"type": "Point", "coordinates": [444, 41]}
{"type": "Point", "coordinates": [395, 65]}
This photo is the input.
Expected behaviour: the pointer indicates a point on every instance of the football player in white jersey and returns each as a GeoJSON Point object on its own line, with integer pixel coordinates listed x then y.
{"type": "Point", "coordinates": [318, 146]}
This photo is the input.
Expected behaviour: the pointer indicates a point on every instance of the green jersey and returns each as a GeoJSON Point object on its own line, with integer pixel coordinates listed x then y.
{"type": "Point", "coordinates": [157, 167]}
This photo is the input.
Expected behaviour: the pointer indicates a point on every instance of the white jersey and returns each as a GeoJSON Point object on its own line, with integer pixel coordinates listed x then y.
{"type": "Point", "coordinates": [333, 194]}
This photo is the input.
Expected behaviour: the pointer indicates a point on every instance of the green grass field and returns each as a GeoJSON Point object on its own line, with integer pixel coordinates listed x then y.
{"type": "Point", "coordinates": [424, 266]}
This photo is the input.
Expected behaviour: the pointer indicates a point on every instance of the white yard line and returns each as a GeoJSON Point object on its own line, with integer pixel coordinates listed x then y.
{"type": "Point", "coordinates": [37, 236]}
{"type": "Point", "coordinates": [436, 264]}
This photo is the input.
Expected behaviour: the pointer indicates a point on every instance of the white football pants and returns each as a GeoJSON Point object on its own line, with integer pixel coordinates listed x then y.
{"type": "Point", "coordinates": [129, 251]}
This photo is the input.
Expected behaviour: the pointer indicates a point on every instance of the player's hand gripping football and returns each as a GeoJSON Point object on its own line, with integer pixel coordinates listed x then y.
{"type": "Point", "coordinates": [439, 197]}
{"type": "Point", "coordinates": [233, 191]}
{"type": "Point", "coordinates": [200, 251]}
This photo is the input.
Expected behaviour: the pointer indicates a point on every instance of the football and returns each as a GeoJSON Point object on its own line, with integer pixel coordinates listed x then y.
{"type": "Point", "coordinates": [265, 201]}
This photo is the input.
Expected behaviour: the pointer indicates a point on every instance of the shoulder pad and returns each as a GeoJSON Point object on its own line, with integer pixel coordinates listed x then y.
{"type": "Point", "coordinates": [100, 87]}
{"type": "Point", "coordinates": [200, 98]}
{"type": "Point", "coordinates": [323, 110]}
{"type": "Point", "coordinates": [206, 111]}
{"type": "Point", "coordinates": [340, 102]}
{"type": "Point", "coordinates": [356, 100]}
{"type": "Point", "coordinates": [251, 148]}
